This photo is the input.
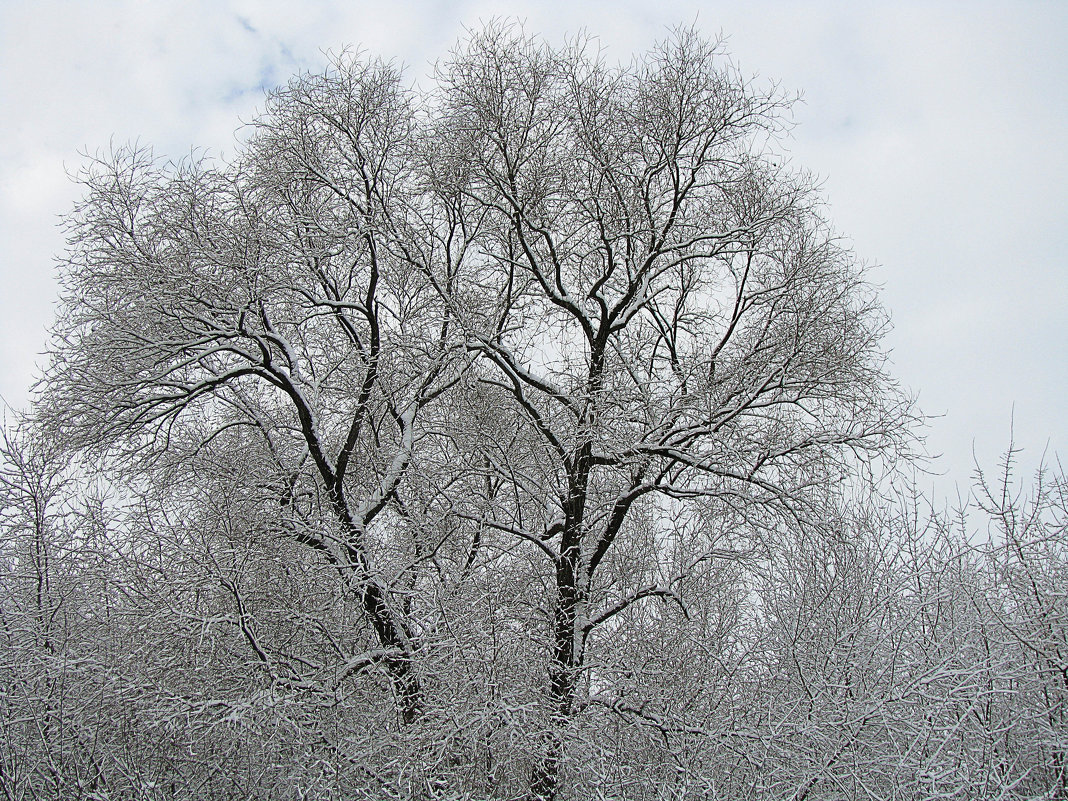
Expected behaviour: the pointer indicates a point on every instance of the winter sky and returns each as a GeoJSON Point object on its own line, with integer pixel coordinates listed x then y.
{"type": "Point", "coordinates": [937, 128]}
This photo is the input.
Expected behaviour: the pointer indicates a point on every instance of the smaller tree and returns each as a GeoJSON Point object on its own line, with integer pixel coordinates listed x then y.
{"type": "Point", "coordinates": [267, 295]}
{"type": "Point", "coordinates": [47, 719]}
{"type": "Point", "coordinates": [1025, 615]}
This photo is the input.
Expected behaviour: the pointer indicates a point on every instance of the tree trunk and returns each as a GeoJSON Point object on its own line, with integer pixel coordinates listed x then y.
{"type": "Point", "coordinates": [564, 666]}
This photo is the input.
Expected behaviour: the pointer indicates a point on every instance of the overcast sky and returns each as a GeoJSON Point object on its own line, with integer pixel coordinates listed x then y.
{"type": "Point", "coordinates": [938, 130]}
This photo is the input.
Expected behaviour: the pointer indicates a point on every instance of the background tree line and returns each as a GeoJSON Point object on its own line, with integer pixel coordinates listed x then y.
{"type": "Point", "coordinates": [524, 436]}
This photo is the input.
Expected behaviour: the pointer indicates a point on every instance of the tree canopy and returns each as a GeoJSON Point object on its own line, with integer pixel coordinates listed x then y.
{"type": "Point", "coordinates": [504, 438]}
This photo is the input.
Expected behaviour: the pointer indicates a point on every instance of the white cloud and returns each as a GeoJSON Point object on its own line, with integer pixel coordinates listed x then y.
{"type": "Point", "coordinates": [938, 129]}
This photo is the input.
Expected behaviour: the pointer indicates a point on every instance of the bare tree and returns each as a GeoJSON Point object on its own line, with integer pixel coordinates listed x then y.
{"type": "Point", "coordinates": [264, 295]}
{"type": "Point", "coordinates": [664, 308]}
{"type": "Point", "coordinates": [543, 362]}
{"type": "Point", "coordinates": [1024, 609]}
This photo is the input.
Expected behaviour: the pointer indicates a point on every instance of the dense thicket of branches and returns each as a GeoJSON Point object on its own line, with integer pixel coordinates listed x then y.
{"type": "Point", "coordinates": [506, 439]}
